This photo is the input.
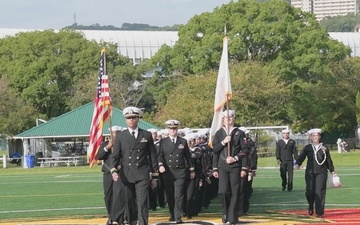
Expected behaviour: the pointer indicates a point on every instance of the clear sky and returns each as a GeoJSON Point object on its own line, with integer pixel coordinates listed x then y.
{"type": "Point", "coordinates": [56, 14]}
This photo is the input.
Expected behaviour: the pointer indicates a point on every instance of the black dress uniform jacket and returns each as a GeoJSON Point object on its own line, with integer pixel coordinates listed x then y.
{"type": "Point", "coordinates": [105, 156]}
{"type": "Point", "coordinates": [286, 152]}
{"type": "Point", "coordinates": [312, 166]}
{"type": "Point", "coordinates": [237, 148]}
{"type": "Point", "coordinates": [175, 157]}
{"type": "Point", "coordinates": [135, 156]}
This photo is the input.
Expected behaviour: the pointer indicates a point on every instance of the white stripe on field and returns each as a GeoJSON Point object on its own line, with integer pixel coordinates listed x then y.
{"type": "Point", "coordinates": [44, 210]}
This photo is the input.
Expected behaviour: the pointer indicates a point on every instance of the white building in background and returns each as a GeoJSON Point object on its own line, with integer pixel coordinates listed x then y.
{"type": "Point", "coordinates": [350, 39]}
{"type": "Point", "coordinates": [139, 46]}
{"type": "Point", "coordinates": [142, 45]}
{"type": "Point", "coordinates": [324, 8]}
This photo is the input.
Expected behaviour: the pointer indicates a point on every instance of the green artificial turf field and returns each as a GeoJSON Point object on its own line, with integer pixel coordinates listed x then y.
{"type": "Point", "coordinates": [73, 192]}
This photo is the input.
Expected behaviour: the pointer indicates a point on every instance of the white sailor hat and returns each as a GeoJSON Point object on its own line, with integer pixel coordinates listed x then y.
{"type": "Point", "coordinates": [202, 135]}
{"type": "Point", "coordinates": [187, 130]}
{"type": "Point", "coordinates": [285, 131]}
{"type": "Point", "coordinates": [315, 130]}
{"type": "Point", "coordinates": [247, 131]}
{"type": "Point", "coordinates": [231, 113]}
{"type": "Point", "coordinates": [116, 128]}
{"type": "Point", "coordinates": [152, 130]}
{"type": "Point", "coordinates": [132, 112]}
{"type": "Point", "coordinates": [189, 137]}
{"type": "Point", "coordinates": [164, 132]}
{"type": "Point", "coordinates": [172, 123]}
{"type": "Point", "coordinates": [242, 128]}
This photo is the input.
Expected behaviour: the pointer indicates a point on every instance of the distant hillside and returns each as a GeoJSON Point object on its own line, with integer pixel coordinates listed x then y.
{"type": "Point", "coordinates": [133, 26]}
{"type": "Point", "coordinates": [124, 26]}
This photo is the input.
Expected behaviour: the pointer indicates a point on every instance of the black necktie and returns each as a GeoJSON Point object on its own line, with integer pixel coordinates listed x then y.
{"type": "Point", "coordinates": [173, 141]}
{"type": "Point", "coordinates": [133, 134]}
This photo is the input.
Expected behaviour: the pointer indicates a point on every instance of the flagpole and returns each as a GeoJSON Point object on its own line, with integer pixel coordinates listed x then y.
{"type": "Point", "coordinates": [228, 128]}
{"type": "Point", "coordinates": [227, 112]}
{"type": "Point", "coordinates": [104, 50]}
{"type": "Point", "coordinates": [110, 116]}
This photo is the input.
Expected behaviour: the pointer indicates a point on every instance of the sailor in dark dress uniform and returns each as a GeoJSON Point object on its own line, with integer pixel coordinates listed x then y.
{"type": "Point", "coordinates": [227, 166]}
{"type": "Point", "coordinates": [174, 161]}
{"type": "Point", "coordinates": [104, 155]}
{"type": "Point", "coordinates": [318, 163]}
{"type": "Point", "coordinates": [135, 152]}
{"type": "Point", "coordinates": [285, 154]}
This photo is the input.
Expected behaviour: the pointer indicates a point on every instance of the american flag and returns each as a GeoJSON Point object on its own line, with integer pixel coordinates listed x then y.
{"type": "Point", "coordinates": [102, 110]}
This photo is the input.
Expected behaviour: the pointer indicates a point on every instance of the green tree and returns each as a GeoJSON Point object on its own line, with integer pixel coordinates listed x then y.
{"type": "Point", "coordinates": [330, 102]}
{"type": "Point", "coordinates": [358, 107]}
{"type": "Point", "coordinates": [127, 86]}
{"type": "Point", "coordinates": [272, 32]}
{"type": "Point", "coordinates": [259, 97]}
{"type": "Point", "coordinates": [345, 23]}
{"type": "Point", "coordinates": [42, 67]}
{"type": "Point", "coordinates": [15, 114]}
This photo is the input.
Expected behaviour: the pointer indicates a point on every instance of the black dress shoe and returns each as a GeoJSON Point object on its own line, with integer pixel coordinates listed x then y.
{"type": "Point", "coordinates": [224, 219]}
{"type": "Point", "coordinates": [311, 211]}
{"type": "Point", "coordinates": [320, 216]}
{"type": "Point", "coordinates": [178, 221]}
{"type": "Point", "coordinates": [172, 218]}
{"type": "Point", "coordinates": [109, 222]}
{"type": "Point", "coordinates": [283, 188]}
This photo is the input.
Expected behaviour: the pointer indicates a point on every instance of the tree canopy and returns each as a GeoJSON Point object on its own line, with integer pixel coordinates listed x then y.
{"type": "Point", "coordinates": [47, 73]}
{"type": "Point", "coordinates": [284, 70]}
{"type": "Point", "coordinates": [289, 43]}
{"type": "Point", "coordinates": [345, 23]}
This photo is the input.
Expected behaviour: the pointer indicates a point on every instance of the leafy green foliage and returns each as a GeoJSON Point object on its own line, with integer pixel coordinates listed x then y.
{"type": "Point", "coordinates": [345, 23]}
{"type": "Point", "coordinates": [42, 65]}
{"type": "Point", "coordinates": [258, 97]}
{"type": "Point", "coordinates": [291, 51]}
{"type": "Point", "coordinates": [358, 107]}
{"type": "Point", "coordinates": [47, 73]}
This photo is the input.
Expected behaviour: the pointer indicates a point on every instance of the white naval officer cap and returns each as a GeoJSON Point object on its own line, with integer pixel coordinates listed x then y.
{"type": "Point", "coordinates": [231, 113]}
{"type": "Point", "coordinates": [116, 128]}
{"type": "Point", "coordinates": [172, 123]}
{"type": "Point", "coordinates": [315, 130]}
{"type": "Point", "coordinates": [132, 112]}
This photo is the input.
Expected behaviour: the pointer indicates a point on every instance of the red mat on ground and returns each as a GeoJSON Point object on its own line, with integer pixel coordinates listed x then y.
{"type": "Point", "coordinates": [349, 216]}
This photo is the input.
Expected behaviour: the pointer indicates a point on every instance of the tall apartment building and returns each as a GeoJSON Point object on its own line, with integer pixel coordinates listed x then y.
{"type": "Point", "coordinates": [324, 8]}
